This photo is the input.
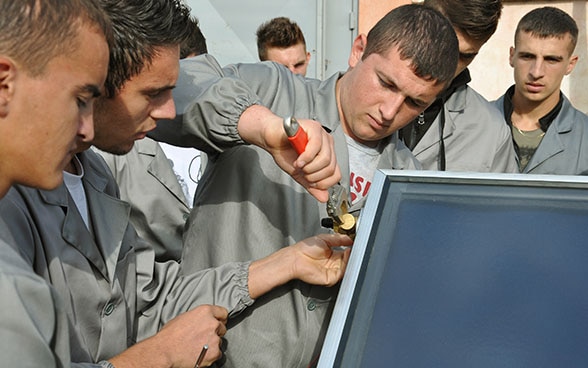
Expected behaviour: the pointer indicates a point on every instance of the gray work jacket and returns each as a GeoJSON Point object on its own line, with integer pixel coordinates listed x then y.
{"type": "Point", "coordinates": [475, 135]}
{"type": "Point", "coordinates": [33, 324]}
{"type": "Point", "coordinates": [246, 207]}
{"type": "Point", "coordinates": [564, 147]}
{"type": "Point", "coordinates": [114, 292]}
{"type": "Point", "coordinates": [158, 205]}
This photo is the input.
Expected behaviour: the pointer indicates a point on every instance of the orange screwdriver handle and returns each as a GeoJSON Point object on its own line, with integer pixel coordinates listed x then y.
{"type": "Point", "coordinates": [296, 135]}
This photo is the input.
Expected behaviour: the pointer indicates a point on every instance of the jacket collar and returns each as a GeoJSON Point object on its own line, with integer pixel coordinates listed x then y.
{"type": "Point", "coordinates": [327, 103]}
{"type": "Point", "coordinates": [553, 141]}
{"type": "Point", "coordinates": [109, 216]}
{"type": "Point", "coordinates": [160, 169]}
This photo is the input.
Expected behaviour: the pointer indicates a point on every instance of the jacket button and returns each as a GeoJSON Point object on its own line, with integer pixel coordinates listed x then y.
{"type": "Point", "coordinates": [109, 309]}
{"type": "Point", "coordinates": [311, 305]}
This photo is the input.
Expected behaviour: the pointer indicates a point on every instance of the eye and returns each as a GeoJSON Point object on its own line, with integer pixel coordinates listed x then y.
{"type": "Point", "coordinates": [385, 84]}
{"type": "Point", "coordinates": [552, 60]}
{"type": "Point", "coordinates": [412, 102]}
{"type": "Point", "coordinates": [82, 102]}
{"type": "Point", "coordinates": [416, 103]}
{"type": "Point", "coordinates": [154, 95]}
{"type": "Point", "coordinates": [467, 57]}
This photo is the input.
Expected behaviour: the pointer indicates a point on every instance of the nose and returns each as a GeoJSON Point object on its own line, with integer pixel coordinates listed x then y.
{"type": "Point", "coordinates": [166, 110]}
{"type": "Point", "coordinates": [536, 70]}
{"type": "Point", "coordinates": [389, 108]}
{"type": "Point", "coordinates": [86, 127]}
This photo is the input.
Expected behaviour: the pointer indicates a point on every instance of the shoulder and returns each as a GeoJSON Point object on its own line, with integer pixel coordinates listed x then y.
{"type": "Point", "coordinates": [479, 112]}
{"type": "Point", "coordinates": [571, 115]}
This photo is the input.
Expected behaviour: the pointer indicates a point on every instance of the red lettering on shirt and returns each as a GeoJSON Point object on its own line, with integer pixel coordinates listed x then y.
{"type": "Point", "coordinates": [359, 187]}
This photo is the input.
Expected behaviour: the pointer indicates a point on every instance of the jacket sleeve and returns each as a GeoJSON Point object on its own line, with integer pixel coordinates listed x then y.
{"type": "Point", "coordinates": [210, 101]}
{"type": "Point", "coordinates": [209, 104]}
{"type": "Point", "coordinates": [163, 292]}
{"type": "Point", "coordinates": [34, 326]}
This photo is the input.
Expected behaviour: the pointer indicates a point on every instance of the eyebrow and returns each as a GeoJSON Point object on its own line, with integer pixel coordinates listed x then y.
{"type": "Point", "coordinates": [153, 91]}
{"type": "Point", "coordinates": [468, 55]}
{"type": "Point", "coordinates": [553, 57]}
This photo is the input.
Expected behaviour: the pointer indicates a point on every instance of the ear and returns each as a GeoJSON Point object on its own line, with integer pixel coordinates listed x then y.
{"type": "Point", "coordinates": [357, 50]}
{"type": "Point", "coordinates": [572, 64]}
{"type": "Point", "coordinates": [511, 56]}
{"type": "Point", "coordinates": [307, 57]}
{"type": "Point", "coordinates": [7, 83]}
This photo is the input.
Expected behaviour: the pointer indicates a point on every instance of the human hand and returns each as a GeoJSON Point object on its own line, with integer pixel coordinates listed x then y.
{"type": "Point", "coordinates": [180, 341]}
{"type": "Point", "coordinates": [316, 168]}
{"type": "Point", "coordinates": [317, 263]}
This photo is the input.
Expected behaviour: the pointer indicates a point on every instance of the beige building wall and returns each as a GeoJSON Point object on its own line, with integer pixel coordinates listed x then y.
{"type": "Point", "coordinates": [491, 73]}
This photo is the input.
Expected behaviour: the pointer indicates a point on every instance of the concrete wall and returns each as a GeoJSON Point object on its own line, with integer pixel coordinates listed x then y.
{"type": "Point", "coordinates": [491, 73]}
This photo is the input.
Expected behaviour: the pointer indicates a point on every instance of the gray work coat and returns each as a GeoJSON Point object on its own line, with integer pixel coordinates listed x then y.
{"type": "Point", "coordinates": [114, 292]}
{"type": "Point", "coordinates": [246, 207]}
{"type": "Point", "coordinates": [33, 324]}
{"type": "Point", "coordinates": [564, 147]}
{"type": "Point", "coordinates": [475, 135]}
{"type": "Point", "coordinates": [148, 183]}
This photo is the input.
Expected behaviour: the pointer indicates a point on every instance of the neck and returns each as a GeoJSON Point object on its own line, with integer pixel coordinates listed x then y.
{"type": "Point", "coordinates": [526, 114]}
{"type": "Point", "coordinates": [4, 186]}
{"type": "Point", "coordinates": [71, 167]}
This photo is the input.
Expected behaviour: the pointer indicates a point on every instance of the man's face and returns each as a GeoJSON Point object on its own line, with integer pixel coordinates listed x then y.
{"type": "Point", "coordinates": [294, 58]}
{"type": "Point", "coordinates": [539, 67]}
{"type": "Point", "coordinates": [141, 102]}
{"type": "Point", "coordinates": [53, 111]}
{"type": "Point", "coordinates": [381, 94]}
{"type": "Point", "coordinates": [468, 50]}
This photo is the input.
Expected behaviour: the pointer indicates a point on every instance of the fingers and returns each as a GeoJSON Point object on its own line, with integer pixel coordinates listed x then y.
{"type": "Point", "coordinates": [217, 329]}
{"type": "Point", "coordinates": [335, 240]}
{"type": "Point", "coordinates": [318, 264]}
{"type": "Point", "coordinates": [219, 313]}
{"type": "Point", "coordinates": [221, 329]}
{"type": "Point", "coordinates": [213, 352]}
{"type": "Point", "coordinates": [318, 162]}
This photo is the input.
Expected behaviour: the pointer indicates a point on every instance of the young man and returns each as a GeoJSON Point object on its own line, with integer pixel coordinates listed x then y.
{"type": "Point", "coordinates": [282, 41]}
{"type": "Point", "coordinates": [53, 62]}
{"type": "Point", "coordinates": [550, 135]}
{"type": "Point", "coordinates": [461, 130]}
{"type": "Point", "coordinates": [126, 310]}
{"type": "Point", "coordinates": [159, 180]}
{"type": "Point", "coordinates": [245, 207]}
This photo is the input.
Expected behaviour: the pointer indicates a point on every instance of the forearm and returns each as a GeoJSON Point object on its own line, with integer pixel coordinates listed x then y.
{"type": "Point", "coordinates": [258, 125]}
{"type": "Point", "coordinates": [270, 272]}
{"type": "Point", "coordinates": [312, 260]}
{"type": "Point", "coordinates": [145, 354]}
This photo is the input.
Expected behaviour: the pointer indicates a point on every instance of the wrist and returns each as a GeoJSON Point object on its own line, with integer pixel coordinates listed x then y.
{"type": "Point", "coordinates": [270, 272]}
{"type": "Point", "coordinates": [261, 127]}
{"type": "Point", "coordinates": [143, 354]}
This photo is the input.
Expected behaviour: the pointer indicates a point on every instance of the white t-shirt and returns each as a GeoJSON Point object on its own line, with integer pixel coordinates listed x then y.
{"type": "Point", "coordinates": [74, 185]}
{"type": "Point", "coordinates": [186, 164]}
{"type": "Point", "coordinates": [363, 162]}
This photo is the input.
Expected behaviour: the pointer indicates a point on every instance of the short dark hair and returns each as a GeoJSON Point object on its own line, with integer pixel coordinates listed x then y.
{"type": "Point", "coordinates": [141, 26]}
{"type": "Point", "coordinates": [196, 44]}
{"type": "Point", "coordinates": [278, 32]}
{"type": "Point", "coordinates": [477, 19]}
{"type": "Point", "coordinates": [548, 22]}
{"type": "Point", "coordinates": [422, 35]}
{"type": "Point", "coordinates": [33, 32]}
